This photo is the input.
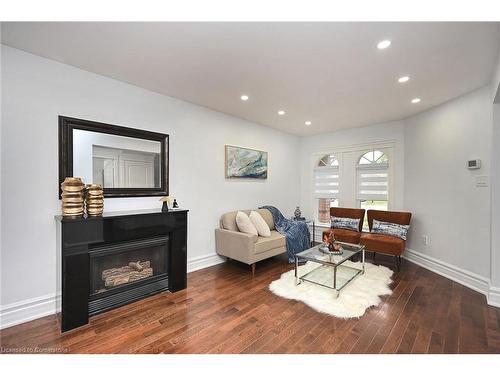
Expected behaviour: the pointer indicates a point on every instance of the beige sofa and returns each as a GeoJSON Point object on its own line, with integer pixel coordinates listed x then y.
{"type": "Point", "coordinates": [247, 248]}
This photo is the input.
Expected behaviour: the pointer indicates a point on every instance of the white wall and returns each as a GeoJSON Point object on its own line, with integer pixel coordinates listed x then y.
{"type": "Point", "coordinates": [37, 90]}
{"type": "Point", "coordinates": [354, 141]}
{"type": "Point", "coordinates": [439, 189]}
{"type": "Point", "coordinates": [495, 82]}
{"type": "Point", "coordinates": [495, 193]}
{"type": "Point", "coordinates": [495, 204]}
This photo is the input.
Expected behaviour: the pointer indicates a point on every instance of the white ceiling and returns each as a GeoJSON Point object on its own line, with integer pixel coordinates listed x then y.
{"type": "Point", "coordinates": [329, 73]}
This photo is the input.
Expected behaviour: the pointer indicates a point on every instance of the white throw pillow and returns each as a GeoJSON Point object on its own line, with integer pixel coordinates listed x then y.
{"type": "Point", "coordinates": [244, 224]}
{"type": "Point", "coordinates": [260, 224]}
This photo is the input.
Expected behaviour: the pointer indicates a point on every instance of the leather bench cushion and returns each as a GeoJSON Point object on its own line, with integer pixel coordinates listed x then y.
{"type": "Point", "coordinates": [382, 243]}
{"type": "Point", "coordinates": [264, 244]}
{"type": "Point", "coordinates": [343, 235]}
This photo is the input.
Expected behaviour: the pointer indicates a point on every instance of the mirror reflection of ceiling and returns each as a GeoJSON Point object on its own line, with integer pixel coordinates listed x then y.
{"type": "Point", "coordinates": [331, 74]}
{"type": "Point", "coordinates": [116, 161]}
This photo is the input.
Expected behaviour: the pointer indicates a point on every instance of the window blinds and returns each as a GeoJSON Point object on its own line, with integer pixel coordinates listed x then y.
{"type": "Point", "coordinates": [326, 182]}
{"type": "Point", "coordinates": [373, 182]}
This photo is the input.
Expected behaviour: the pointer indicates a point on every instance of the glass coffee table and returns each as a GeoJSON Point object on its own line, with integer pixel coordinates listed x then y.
{"type": "Point", "coordinates": [331, 272]}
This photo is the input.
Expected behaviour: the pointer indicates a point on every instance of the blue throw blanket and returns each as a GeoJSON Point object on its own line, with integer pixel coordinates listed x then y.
{"type": "Point", "coordinates": [295, 231]}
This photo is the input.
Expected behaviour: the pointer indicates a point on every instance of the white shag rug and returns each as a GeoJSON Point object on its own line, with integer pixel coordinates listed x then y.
{"type": "Point", "coordinates": [362, 293]}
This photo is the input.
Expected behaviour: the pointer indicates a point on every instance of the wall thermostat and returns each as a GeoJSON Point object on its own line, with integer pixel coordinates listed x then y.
{"type": "Point", "coordinates": [474, 164]}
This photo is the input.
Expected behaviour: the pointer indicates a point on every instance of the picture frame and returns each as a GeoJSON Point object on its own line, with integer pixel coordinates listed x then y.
{"type": "Point", "coordinates": [245, 163]}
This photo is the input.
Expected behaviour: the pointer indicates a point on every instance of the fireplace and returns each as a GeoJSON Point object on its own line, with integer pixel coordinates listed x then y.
{"type": "Point", "coordinates": [119, 258]}
{"type": "Point", "coordinates": [123, 272]}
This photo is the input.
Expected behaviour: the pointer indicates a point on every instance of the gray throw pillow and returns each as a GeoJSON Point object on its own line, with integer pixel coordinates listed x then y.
{"type": "Point", "coordinates": [391, 229]}
{"type": "Point", "coordinates": [344, 223]}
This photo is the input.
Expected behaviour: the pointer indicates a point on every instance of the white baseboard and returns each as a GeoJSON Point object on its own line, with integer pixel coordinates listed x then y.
{"type": "Point", "coordinates": [494, 296]}
{"type": "Point", "coordinates": [34, 308]}
{"type": "Point", "coordinates": [466, 278]}
{"type": "Point", "coordinates": [203, 261]}
{"type": "Point", "coordinates": [29, 309]}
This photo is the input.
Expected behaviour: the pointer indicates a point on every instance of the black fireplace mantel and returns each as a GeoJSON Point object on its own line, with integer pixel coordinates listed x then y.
{"type": "Point", "coordinates": [82, 239]}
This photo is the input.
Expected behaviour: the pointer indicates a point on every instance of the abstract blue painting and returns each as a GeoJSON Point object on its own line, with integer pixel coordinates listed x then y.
{"type": "Point", "coordinates": [245, 163]}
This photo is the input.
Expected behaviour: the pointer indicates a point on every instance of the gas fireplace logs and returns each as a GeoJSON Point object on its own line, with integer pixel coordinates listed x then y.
{"type": "Point", "coordinates": [94, 200]}
{"type": "Point", "coordinates": [123, 275]}
{"type": "Point", "coordinates": [72, 196]}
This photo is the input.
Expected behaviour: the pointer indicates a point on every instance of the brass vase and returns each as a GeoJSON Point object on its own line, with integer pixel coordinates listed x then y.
{"type": "Point", "coordinates": [94, 200]}
{"type": "Point", "coordinates": [72, 196]}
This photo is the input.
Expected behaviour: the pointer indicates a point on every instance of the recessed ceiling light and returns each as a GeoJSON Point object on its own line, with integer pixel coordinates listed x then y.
{"type": "Point", "coordinates": [415, 100]}
{"type": "Point", "coordinates": [383, 44]}
{"type": "Point", "coordinates": [308, 123]}
{"type": "Point", "coordinates": [281, 113]}
{"type": "Point", "coordinates": [244, 97]}
{"type": "Point", "coordinates": [403, 79]}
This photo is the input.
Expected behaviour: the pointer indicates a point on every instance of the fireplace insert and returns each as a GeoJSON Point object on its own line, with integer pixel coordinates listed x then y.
{"type": "Point", "coordinates": [123, 272]}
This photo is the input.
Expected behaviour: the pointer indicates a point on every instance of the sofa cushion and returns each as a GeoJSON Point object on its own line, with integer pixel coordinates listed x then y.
{"type": "Point", "coordinates": [391, 229]}
{"type": "Point", "coordinates": [382, 243]}
{"type": "Point", "coordinates": [267, 216]}
{"type": "Point", "coordinates": [343, 235]}
{"type": "Point", "coordinates": [264, 244]}
{"type": "Point", "coordinates": [388, 216]}
{"type": "Point", "coordinates": [353, 213]}
{"type": "Point", "coordinates": [244, 224]}
{"type": "Point", "coordinates": [260, 224]}
{"type": "Point", "coordinates": [344, 223]}
{"type": "Point", "coordinates": [228, 220]}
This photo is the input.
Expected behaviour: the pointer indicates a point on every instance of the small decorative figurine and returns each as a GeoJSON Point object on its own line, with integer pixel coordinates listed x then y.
{"type": "Point", "coordinates": [175, 204]}
{"type": "Point", "coordinates": [331, 241]}
{"type": "Point", "coordinates": [166, 201]}
{"type": "Point", "coordinates": [297, 213]}
{"type": "Point", "coordinates": [333, 246]}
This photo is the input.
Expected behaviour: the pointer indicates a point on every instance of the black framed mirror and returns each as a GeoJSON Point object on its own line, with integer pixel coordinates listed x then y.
{"type": "Point", "coordinates": [127, 162]}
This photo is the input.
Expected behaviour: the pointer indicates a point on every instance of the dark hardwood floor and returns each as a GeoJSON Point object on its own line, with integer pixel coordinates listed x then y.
{"type": "Point", "coordinates": [226, 310]}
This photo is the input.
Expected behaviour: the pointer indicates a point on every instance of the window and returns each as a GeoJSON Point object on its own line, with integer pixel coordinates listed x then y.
{"type": "Point", "coordinates": [373, 181]}
{"type": "Point", "coordinates": [326, 186]}
{"type": "Point", "coordinates": [324, 205]}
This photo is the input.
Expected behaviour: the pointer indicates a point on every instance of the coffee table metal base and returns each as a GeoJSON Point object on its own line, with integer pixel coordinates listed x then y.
{"type": "Point", "coordinates": [326, 275]}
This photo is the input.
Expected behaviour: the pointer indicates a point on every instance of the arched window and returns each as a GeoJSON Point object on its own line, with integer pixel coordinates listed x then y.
{"type": "Point", "coordinates": [328, 161]}
{"type": "Point", "coordinates": [326, 186]}
{"type": "Point", "coordinates": [373, 157]}
{"type": "Point", "coordinates": [373, 181]}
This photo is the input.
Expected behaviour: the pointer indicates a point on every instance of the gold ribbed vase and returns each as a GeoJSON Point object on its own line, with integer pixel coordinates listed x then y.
{"type": "Point", "coordinates": [73, 195]}
{"type": "Point", "coordinates": [94, 199]}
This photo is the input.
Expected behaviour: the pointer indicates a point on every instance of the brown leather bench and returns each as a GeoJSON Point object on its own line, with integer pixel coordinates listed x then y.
{"type": "Point", "coordinates": [383, 243]}
{"type": "Point", "coordinates": [346, 235]}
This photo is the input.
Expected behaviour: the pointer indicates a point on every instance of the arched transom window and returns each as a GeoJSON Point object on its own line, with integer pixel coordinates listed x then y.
{"type": "Point", "coordinates": [373, 157]}
{"type": "Point", "coordinates": [328, 161]}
